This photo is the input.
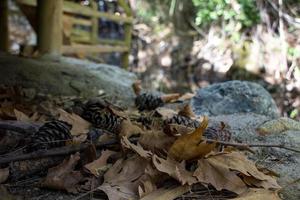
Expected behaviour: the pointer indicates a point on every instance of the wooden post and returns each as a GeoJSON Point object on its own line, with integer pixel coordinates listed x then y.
{"type": "Point", "coordinates": [49, 15]}
{"type": "Point", "coordinates": [128, 32]}
{"type": "Point", "coordinates": [4, 29]}
{"type": "Point", "coordinates": [94, 36]}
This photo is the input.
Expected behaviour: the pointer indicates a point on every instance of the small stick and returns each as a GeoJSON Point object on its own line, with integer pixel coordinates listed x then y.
{"type": "Point", "coordinates": [66, 150]}
{"type": "Point", "coordinates": [245, 145]}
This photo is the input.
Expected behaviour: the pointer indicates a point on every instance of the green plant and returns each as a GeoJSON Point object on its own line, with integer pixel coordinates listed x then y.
{"type": "Point", "coordinates": [216, 11]}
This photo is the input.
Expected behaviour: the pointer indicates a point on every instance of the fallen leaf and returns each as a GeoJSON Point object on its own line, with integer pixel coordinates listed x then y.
{"type": "Point", "coordinates": [136, 148]}
{"type": "Point", "coordinates": [167, 193]}
{"type": "Point", "coordinates": [122, 180]}
{"type": "Point", "coordinates": [79, 125]}
{"type": "Point", "coordinates": [128, 129]}
{"type": "Point", "coordinates": [191, 146]}
{"type": "Point", "coordinates": [219, 176]}
{"type": "Point", "coordinates": [279, 125]}
{"type": "Point", "coordinates": [167, 98]}
{"type": "Point", "coordinates": [177, 129]}
{"type": "Point", "coordinates": [187, 111]}
{"type": "Point", "coordinates": [255, 193]}
{"type": "Point", "coordinates": [222, 170]}
{"type": "Point", "coordinates": [156, 141]}
{"type": "Point", "coordinates": [165, 113]}
{"type": "Point", "coordinates": [100, 164]}
{"type": "Point", "coordinates": [4, 173]}
{"type": "Point", "coordinates": [186, 96]}
{"type": "Point", "coordinates": [174, 169]}
{"type": "Point", "coordinates": [239, 162]}
{"type": "Point", "coordinates": [20, 116]}
{"type": "Point", "coordinates": [63, 176]}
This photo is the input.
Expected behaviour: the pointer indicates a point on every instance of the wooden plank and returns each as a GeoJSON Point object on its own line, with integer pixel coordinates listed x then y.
{"type": "Point", "coordinates": [50, 18]}
{"type": "Point", "coordinates": [4, 29]}
{"type": "Point", "coordinates": [84, 22]}
{"type": "Point", "coordinates": [77, 48]}
{"type": "Point", "coordinates": [112, 42]}
{"type": "Point", "coordinates": [75, 8]}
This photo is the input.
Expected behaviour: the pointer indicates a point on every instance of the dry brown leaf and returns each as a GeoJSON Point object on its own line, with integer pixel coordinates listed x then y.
{"type": "Point", "coordinates": [166, 113]}
{"type": "Point", "coordinates": [146, 187]}
{"type": "Point", "coordinates": [190, 146]}
{"type": "Point", "coordinates": [63, 176]}
{"type": "Point", "coordinates": [238, 162]}
{"type": "Point", "coordinates": [136, 148]}
{"type": "Point", "coordinates": [122, 180]}
{"type": "Point", "coordinates": [156, 141]}
{"type": "Point", "coordinates": [219, 176]}
{"type": "Point", "coordinates": [20, 116]}
{"type": "Point", "coordinates": [100, 164]}
{"type": "Point", "coordinates": [129, 129]}
{"type": "Point", "coordinates": [187, 111]}
{"type": "Point", "coordinates": [4, 173]}
{"type": "Point", "coordinates": [170, 97]}
{"type": "Point", "coordinates": [7, 111]}
{"type": "Point", "coordinates": [167, 193]}
{"type": "Point", "coordinates": [255, 194]}
{"type": "Point", "coordinates": [177, 129]}
{"type": "Point", "coordinates": [137, 87]}
{"type": "Point", "coordinates": [174, 169]}
{"type": "Point", "coordinates": [222, 169]}
{"type": "Point", "coordinates": [186, 96]}
{"type": "Point", "coordinates": [79, 125]}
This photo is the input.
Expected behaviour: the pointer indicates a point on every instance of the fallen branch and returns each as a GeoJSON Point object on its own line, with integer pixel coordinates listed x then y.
{"type": "Point", "coordinates": [247, 146]}
{"type": "Point", "coordinates": [62, 151]}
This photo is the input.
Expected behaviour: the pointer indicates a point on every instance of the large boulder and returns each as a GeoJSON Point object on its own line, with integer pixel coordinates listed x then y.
{"type": "Point", "coordinates": [284, 162]}
{"type": "Point", "coordinates": [68, 76]}
{"type": "Point", "coordinates": [234, 97]}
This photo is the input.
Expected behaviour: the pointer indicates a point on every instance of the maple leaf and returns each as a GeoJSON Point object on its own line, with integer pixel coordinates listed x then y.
{"type": "Point", "coordinates": [191, 146]}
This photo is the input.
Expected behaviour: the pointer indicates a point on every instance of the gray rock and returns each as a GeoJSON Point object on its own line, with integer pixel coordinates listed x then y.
{"type": "Point", "coordinates": [285, 163]}
{"type": "Point", "coordinates": [68, 77]}
{"type": "Point", "coordinates": [234, 97]}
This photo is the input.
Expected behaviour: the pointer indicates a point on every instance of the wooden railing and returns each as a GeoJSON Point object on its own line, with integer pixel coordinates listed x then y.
{"type": "Point", "coordinates": [87, 41]}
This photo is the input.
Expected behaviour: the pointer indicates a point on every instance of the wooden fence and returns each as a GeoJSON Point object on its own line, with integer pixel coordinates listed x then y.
{"type": "Point", "coordinates": [79, 41]}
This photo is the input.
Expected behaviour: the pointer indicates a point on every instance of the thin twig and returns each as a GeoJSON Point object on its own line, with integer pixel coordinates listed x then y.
{"type": "Point", "coordinates": [245, 145]}
{"type": "Point", "coordinates": [66, 150]}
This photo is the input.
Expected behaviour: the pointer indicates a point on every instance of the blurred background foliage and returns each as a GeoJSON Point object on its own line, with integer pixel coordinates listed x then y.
{"type": "Point", "coordinates": [184, 45]}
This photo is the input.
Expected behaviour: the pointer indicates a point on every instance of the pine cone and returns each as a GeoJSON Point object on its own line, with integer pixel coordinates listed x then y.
{"type": "Point", "coordinates": [101, 118]}
{"type": "Point", "coordinates": [50, 135]}
{"type": "Point", "coordinates": [148, 101]}
{"type": "Point", "coordinates": [182, 120]}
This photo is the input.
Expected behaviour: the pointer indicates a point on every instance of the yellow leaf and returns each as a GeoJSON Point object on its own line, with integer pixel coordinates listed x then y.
{"type": "Point", "coordinates": [191, 146]}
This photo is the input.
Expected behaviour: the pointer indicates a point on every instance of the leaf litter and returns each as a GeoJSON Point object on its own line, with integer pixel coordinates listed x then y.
{"type": "Point", "coordinates": [146, 157]}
